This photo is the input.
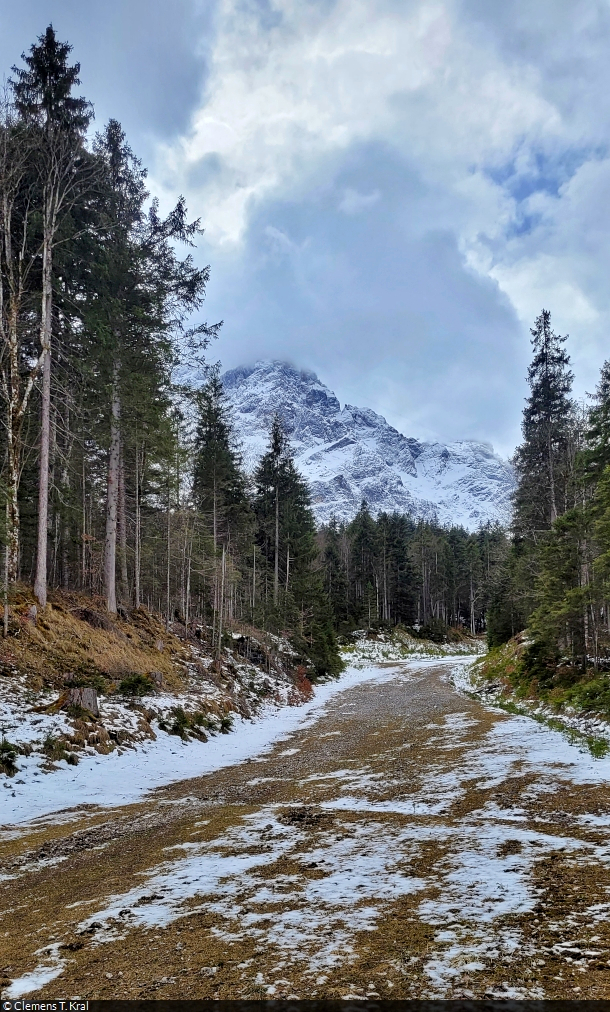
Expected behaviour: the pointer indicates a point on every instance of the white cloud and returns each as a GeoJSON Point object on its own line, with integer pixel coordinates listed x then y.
{"type": "Point", "coordinates": [279, 241]}
{"type": "Point", "coordinates": [544, 281]}
{"type": "Point", "coordinates": [353, 202]}
{"type": "Point", "coordinates": [325, 77]}
{"type": "Point", "coordinates": [501, 112]}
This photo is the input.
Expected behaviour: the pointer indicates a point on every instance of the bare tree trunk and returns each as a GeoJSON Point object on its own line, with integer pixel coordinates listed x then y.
{"type": "Point", "coordinates": [214, 517]}
{"type": "Point", "coordinates": [184, 524]}
{"type": "Point", "coordinates": [187, 608]}
{"type": "Point", "coordinates": [12, 504]}
{"type": "Point", "coordinates": [84, 523]}
{"type": "Point", "coordinates": [253, 577]}
{"type": "Point", "coordinates": [60, 185]}
{"type": "Point", "coordinates": [276, 570]}
{"type": "Point", "coordinates": [112, 498]}
{"type": "Point", "coordinates": [385, 588]}
{"type": "Point", "coordinates": [40, 581]}
{"type": "Point", "coordinates": [14, 267]}
{"type": "Point", "coordinates": [222, 599]}
{"type": "Point", "coordinates": [169, 559]}
{"type": "Point", "coordinates": [5, 591]}
{"type": "Point", "coordinates": [13, 448]}
{"type": "Point", "coordinates": [551, 477]}
{"type": "Point", "coordinates": [137, 546]}
{"type": "Point", "coordinates": [122, 529]}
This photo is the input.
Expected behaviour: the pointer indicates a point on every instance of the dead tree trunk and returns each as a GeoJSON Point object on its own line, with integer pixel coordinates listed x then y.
{"type": "Point", "coordinates": [168, 568]}
{"type": "Point", "coordinates": [222, 603]}
{"type": "Point", "coordinates": [112, 498]}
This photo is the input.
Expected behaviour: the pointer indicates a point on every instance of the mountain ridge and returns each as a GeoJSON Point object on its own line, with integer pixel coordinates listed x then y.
{"type": "Point", "coordinates": [352, 454]}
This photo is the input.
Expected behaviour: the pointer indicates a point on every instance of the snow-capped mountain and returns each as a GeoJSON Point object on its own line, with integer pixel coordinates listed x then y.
{"type": "Point", "coordinates": [349, 454]}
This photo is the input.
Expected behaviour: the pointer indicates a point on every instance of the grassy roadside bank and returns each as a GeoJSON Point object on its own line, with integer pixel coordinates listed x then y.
{"type": "Point", "coordinates": [576, 705]}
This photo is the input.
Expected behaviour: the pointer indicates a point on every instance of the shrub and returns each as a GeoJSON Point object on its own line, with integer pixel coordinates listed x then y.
{"type": "Point", "coordinates": [591, 695]}
{"type": "Point", "coordinates": [434, 630]}
{"type": "Point", "coordinates": [303, 684]}
{"type": "Point", "coordinates": [55, 750]}
{"type": "Point", "coordinates": [184, 724]}
{"type": "Point", "coordinates": [180, 725]}
{"type": "Point", "coordinates": [8, 756]}
{"type": "Point", "coordinates": [136, 685]}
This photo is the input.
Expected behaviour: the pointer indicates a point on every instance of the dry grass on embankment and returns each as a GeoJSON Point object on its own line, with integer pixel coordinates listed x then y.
{"type": "Point", "coordinates": [75, 639]}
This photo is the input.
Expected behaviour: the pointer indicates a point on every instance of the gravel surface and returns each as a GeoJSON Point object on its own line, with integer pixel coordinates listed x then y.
{"type": "Point", "coordinates": [408, 842]}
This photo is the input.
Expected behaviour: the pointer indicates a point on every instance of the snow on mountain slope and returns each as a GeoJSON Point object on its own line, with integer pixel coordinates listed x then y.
{"type": "Point", "coordinates": [349, 454]}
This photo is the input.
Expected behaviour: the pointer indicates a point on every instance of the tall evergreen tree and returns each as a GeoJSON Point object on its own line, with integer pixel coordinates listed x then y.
{"type": "Point", "coordinates": [272, 479]}
{"type": "Point", "coordinates": [335, 577]}
{"type": "Point", "coordinates": [219, 488]}
{"type": "Point", "coordinates": [596, 453]}
{"type": "Point", "coordinates": [144, 292]}
{"type": "Point", "coordinates": [364, 568]}
{"type": "Point", "coordinates": [44, 100]}
{"type": "Point", "coordinates": [287, 547]}
{"type": "Point", "coordinates": [543, 461]}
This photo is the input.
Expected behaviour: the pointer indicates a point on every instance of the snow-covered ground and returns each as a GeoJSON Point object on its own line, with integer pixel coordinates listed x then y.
{"type": "Point", "coordinates": [125, 776]}
{"type": "Point", "coordinates": [366, 865]}
{"type": "Point", "coordinates": [366, 651]}
{"type": "Point", "coordinates": [383, 807]}
{"type": "Point", "coordinates": [588, 726]}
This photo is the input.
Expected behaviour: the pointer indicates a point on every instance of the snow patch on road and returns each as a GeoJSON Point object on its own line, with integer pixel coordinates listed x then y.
{"type": "Point", "coordinates": [361, 872]}
{"type": "Point", "coordinates": [118, 779]}
{"type": "Point", "coordinates": [41, 975]}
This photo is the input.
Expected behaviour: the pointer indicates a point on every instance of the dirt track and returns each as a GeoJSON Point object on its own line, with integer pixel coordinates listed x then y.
{"type": "Point", "coordinates": [408, 844]}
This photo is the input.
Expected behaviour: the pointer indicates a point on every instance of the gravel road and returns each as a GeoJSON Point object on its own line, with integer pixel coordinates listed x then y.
{"type": "Point", "coordinates": [407, 843]}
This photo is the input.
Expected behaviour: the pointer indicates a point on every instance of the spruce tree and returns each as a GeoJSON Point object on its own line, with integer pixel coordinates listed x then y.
{"type": "Point", "coordinates": [286, 539]}
{"type": "Point", "coordinates": [219, 486]}
{"type": "Point", "coordinates": [364, 551]}
{"type": "Point", "coordinates": [44, 101]}
{"type": "Point", "coordinates": [400, 585]}
{"type": "Point", "coordinates": [335, 577]}
{"type": "Point", "coordinates": [144, 291]}
{"type": "Point", "coordinates": [542, 462]}
{"type": "Point", "coordinates": [271, 478]}
{"type": "Point", "coordinates": [596, 454]}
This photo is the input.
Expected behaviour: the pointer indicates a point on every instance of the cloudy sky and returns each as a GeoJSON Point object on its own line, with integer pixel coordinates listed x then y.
{"type": "Point", "coordinates": [391, 189]}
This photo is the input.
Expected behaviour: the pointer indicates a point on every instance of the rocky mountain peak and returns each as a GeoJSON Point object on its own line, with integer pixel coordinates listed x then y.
{"type": "Point", "coordinates": [349, 454]}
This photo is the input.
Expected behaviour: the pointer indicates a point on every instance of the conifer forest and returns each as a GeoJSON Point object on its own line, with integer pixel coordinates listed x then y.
{"type": "Point", "coordinates": [296, 706]}
{"type": "Point", "coordinates": [118, 481]}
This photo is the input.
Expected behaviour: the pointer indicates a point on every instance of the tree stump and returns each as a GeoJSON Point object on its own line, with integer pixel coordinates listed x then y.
{"type": "Point", "coordinates": [85, 697]}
